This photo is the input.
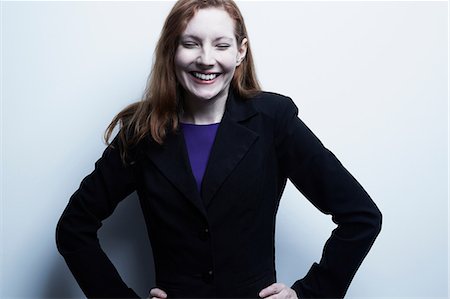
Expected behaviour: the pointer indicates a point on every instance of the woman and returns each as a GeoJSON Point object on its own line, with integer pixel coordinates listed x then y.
{"type": "Point", "coordinates": [209, 155]}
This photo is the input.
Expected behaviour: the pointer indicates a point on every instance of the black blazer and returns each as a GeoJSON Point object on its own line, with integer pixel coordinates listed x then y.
{"type": "Point", "coordinates": [219, 242]}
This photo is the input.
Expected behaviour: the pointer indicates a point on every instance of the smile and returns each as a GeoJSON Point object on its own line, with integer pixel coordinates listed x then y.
{"type": "Point", "coordinates": [205, 77]}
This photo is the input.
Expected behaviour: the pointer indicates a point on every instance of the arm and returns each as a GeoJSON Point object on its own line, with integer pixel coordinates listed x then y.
{"type": "Point", "coordinates": [76, 231]}
{"type": "Point", "coordinates": [317, 173]}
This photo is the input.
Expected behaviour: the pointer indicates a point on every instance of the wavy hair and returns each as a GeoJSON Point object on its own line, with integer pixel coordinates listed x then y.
{"type": "Point", "coordinates": [157, 112]}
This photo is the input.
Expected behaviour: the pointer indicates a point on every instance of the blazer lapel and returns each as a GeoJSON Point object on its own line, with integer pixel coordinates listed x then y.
{"type": "Point", "coordinates": [231, 143]}
{"type": "Point", "coordinates": [173, 161]}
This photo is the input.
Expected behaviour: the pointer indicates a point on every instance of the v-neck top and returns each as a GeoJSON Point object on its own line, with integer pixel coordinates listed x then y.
{"type": "Point", "coordinates": [199, 140]}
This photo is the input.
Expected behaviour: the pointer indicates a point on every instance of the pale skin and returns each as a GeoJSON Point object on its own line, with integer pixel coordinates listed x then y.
{"type": "Point", "coordinates": [208, 45]}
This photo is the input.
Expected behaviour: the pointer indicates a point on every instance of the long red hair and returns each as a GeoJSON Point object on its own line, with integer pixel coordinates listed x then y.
{"type": "Point", "coordinates": [157, 112]}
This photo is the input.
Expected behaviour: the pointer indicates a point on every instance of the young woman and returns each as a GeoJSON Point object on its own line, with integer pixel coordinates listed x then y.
{"type": "Point", "coordinates": [209, 154]}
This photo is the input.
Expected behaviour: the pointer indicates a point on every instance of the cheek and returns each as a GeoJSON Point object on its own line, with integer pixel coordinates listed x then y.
{"type": "Point", "coordinates": [182, 58]}
{"type": "Point", "coordinates": [228, 62]}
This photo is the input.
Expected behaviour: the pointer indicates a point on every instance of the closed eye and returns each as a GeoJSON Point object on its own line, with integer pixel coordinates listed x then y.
{"type": "Point", "coordinates": [189, 45]}
{"type": "Point", "coordinates": [223, 46]}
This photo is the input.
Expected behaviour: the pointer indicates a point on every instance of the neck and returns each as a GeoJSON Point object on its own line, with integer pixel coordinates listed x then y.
{"type": "Point", "coordinates": [201, 111]}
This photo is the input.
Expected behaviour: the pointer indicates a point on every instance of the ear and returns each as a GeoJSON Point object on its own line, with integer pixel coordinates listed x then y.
{"type": "Point", "coordinates": [242, 51]}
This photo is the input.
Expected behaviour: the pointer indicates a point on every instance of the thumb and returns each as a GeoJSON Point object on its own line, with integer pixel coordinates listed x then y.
{"type": "Point", "coordinates": [158, 293]}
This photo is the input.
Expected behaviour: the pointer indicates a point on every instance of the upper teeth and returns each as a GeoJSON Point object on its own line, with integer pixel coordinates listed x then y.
{"type": "Point", "coordinates": [204, 76]}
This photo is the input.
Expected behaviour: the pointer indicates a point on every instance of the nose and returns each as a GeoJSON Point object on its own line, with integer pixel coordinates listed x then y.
{"type": "Point", "coordinates": [206, 57]}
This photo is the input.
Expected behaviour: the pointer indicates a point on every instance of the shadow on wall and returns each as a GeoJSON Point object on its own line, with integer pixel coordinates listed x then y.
{"type": "Point", "coordinates": [124, 239]}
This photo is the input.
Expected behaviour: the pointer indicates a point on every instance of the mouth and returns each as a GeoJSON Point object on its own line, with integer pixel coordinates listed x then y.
{"type": "Point", "coordinates": [205, 77]}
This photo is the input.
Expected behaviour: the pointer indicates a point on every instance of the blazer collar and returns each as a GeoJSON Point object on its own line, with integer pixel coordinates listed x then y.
{"type": "Point", "coordinates": [237, 108]}
{"type": "Point", "coordinates": [233, 140]}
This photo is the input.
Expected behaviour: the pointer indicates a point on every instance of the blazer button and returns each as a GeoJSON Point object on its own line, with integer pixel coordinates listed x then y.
{"type": "Point", "coordinates": [204, 234]}
{"type": "Point", "coordinates": [208, 276]}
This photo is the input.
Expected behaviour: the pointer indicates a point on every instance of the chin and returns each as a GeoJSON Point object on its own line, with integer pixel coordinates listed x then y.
{"type": "Point", "coordinates": [205, 95]}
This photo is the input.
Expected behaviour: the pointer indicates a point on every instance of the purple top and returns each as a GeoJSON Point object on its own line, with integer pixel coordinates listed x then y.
{"type": "Point", "coordinates": [199, 141]}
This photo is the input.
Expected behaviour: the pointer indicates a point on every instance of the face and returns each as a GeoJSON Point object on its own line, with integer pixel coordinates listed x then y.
{"type": "Point", "coordinates": [207, 55]}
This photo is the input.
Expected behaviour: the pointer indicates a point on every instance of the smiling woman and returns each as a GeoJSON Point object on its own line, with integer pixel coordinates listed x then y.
{"type": "Point", "coordinates": [205, 62]}
{"type": "Point", "coordinates": [209, 154]}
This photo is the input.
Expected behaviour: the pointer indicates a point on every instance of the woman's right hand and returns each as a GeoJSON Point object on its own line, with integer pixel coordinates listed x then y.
{"type": "Point", "coordinates": [156, 293]}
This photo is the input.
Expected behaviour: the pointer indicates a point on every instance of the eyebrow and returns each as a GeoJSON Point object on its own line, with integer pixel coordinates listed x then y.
{"type": "Point", "coordinates": [197, 38]}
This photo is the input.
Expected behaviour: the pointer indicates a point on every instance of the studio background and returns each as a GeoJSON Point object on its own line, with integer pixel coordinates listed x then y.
{"type": "Point", "coordinates": [370, 80]}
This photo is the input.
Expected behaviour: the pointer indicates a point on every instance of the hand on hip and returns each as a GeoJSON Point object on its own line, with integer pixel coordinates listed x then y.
{"type": "Point", "coordinates": [278, 291]}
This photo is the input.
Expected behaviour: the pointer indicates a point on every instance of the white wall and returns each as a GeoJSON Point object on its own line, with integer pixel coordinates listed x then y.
{"type": "Point", "coordinates": [370, 79]}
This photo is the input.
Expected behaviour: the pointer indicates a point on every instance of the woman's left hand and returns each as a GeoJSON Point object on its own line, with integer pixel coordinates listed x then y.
{"type": "Point", "coordinates": [278, 291]}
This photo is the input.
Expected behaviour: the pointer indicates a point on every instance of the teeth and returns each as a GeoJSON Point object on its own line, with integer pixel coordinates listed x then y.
{"type": "Point", "coordinates": [205, 77]}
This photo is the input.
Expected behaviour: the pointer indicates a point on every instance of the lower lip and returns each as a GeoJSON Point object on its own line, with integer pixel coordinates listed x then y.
{"type": "Point", "coordinates": [200, 81]}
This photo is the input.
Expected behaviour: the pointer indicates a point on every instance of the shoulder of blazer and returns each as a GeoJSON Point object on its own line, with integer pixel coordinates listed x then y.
{"type": "Point", "coordinates": [274, 105]}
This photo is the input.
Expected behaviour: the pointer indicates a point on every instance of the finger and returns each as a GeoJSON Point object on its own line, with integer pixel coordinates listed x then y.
{"type": "Point", "coordinates": [283, 294]}
{"type": "Point", "coordinates": [156, 292]}
{"type": "Point", "coordinates": [292, 294]}
{"type": "Point", "coordinates": [274, 288]}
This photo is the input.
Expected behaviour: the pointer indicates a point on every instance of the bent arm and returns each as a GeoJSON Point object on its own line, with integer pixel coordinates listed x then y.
{"type": "Point", "coordinates": [323, 180]}
{"type": "Point", "coordinates": [76, 231]}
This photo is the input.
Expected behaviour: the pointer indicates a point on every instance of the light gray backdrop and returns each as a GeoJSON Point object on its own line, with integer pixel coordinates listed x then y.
{"type": "Point", "coordinates": [370, 79]}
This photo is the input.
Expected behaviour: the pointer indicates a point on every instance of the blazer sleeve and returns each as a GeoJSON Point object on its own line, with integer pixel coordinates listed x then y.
{"type": "Point", "coordinates": [324, 181]}
{"type": "Point", "coordinates": [76, 231]}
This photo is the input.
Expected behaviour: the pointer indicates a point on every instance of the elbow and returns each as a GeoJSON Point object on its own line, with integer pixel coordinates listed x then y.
{"type": "Point", "coordinates": [64, 235]}
{"type": "Point", "coordinates": [364, 224]}
{"type": "Point", "coordinates": [376, 221]}
{"type": "Point", "coordinates": [59, 236]}
{"type": "Point", "coordinates": [371, 218]}
{"type": "Point", "coordinates": [73, 232]}
{"type": "Point", "coordinates": [379, 221]}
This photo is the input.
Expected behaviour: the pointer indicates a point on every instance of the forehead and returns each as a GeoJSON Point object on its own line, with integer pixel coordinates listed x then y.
{"type": "Point", "coordinates": [210, 23]}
